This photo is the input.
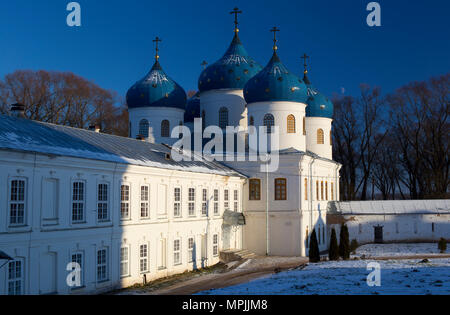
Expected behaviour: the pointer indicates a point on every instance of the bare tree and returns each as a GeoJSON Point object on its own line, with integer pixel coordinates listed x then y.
{"type": "Point", "coordinates": [63, 98]}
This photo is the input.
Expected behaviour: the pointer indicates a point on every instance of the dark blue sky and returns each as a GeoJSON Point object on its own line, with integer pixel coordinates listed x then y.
{"type": "Point", "coordinates": [114, 48]}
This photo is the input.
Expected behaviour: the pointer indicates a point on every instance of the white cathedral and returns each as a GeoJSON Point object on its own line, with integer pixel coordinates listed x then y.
{"type": "Point", "coordinates": [86, 212]}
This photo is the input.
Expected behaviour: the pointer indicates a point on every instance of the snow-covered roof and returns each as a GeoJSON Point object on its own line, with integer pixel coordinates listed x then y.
{"type": "Point", "coordinates": [391, 207]}
{"type": "Point", "coordinates": [31, 136]}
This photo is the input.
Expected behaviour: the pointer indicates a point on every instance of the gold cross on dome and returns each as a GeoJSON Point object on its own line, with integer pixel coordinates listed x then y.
{"type": "Point", "coordinates": [157, 40]}
{"type": "Point", "coordinates": [236, 11]}
{"type": "Point", "coordinates": [305, 58]}
{"type": "Point", "coordinates": [275, 30]}
{"type": "Point", "coordinates": [204, 64]}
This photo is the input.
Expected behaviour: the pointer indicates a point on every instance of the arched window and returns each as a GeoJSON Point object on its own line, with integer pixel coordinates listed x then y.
{"type": "Point", "coordinates": [304, 126]}
{"type": "Point", "coordinates": [320, 137]}
{"type": "Point", "coordinates": [321, 191]}
{"type": "Point", "coordinates": [223, 117]}
{"type": "Point", "coordinates": [291, 124]}
{"type": "Point", "coordinates": [165, 129]}
{"type": "Point", "coordinates": [269, 122]}
{"type": "Point", "coordinates": [143, 128]}
{"type": "Point", "coordinates": [252, 121]}
{"type": "Point", "coordinates": [203, 119]}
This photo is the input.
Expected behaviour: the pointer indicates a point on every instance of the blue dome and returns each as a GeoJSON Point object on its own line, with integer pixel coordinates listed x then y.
{"type": "Point", "coordinates": [232, 71]}
{"type": "Point", "coordinates": [192, 108]}
{"type": "Point", "coordinates": [156, 89]}
{"type": "Point", "coordinates": [318, 104]}
{"type": "Point", "coordinates": [275, 83]}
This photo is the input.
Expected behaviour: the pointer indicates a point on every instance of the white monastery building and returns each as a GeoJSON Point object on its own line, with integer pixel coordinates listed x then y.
{"type": "Point", "coordinates": [124, 211]}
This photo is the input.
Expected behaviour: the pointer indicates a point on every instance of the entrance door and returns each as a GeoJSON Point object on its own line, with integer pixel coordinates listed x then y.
{"type": "Point", "coordinates": [378, 234]}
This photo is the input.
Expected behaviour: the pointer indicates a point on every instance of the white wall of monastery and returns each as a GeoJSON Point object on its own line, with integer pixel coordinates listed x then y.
{"type": "Point", "coordinates": [45, 243]}
{"type": "Point", "coordinates": [155, 116]}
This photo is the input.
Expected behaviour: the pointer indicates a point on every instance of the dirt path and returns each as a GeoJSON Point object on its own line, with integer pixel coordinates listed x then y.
{"type": "Point", "coordinates": [250, 270]}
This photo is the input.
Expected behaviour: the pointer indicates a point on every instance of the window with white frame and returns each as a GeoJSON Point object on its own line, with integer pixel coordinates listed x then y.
{"type": "Point", "coordinates": [191, 252]}
{"type": "Point", "coordinates": [143, 258]}
{"type": "Point", "coordinates": [102, 265]}
{"type": "Point", "coordinates": [17, 202]}
{"type": "Point", "coordinates": [226, 199]}
{"type": "Point", "coordinates": [124, 202]}
{"type": "Point", "coordinates": [204, 202]}
{"type": "Point", "coordinates": [176, 252]}
{"type": "Point", "coordinates": [216, 202]}
{"type": "Point", "coordinates": [236, 201]}
{"type": "Point", "coordinates": [216, 244]}
{"type": "Point", "coordinates": [145, 199]}
{"type": "Point", "coordinates": [177, 202]}
{"type": "Point", "coordinates": [78, 201]}
{"type": "Point", "coordinates": [124, 261]}
{"type": "Point", "coordinates": [15, 277]}
{"type": "Point", "coordinates": [77, 258]}
{"type": "Point", "coordinates": [102, 202]}
{"type": "Point", "coordinates": [191, 203]}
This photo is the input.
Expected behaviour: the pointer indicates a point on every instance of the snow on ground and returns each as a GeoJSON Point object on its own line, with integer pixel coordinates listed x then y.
{"type": "Point", "coordinates": [350, 277]}
{"type": "Point", "coordinates": [392, 250]}
{"type": "Point", "coordinates": [412, 276]}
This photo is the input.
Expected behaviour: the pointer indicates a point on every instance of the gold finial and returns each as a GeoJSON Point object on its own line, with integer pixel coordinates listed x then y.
{"type": "Point", "coordinates": [157, 40]}
{"type": "Point", "coordinates": [305, 58]}
{"type": "Point", "coordinates": [204, 64]}
{"type": "Point", "coordinates": [236, 11]}
{"type": "Point", "coordinates": [275, 30]}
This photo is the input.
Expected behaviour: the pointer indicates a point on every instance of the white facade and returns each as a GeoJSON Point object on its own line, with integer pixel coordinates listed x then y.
{"type": "Point", "coordinates": [316, 127]}
{"type": "Point", "coordinates": [212, 102]}
{"type": "Point", "coordinates": [104, 237]}
{"type": "Point", "coordinates": [398, 221]}
{"type": "Point", "coordinates": [155, 117]}
{"type": "Point", "coordinates": [310, 184]}
{"type": "Point", "coordinates": [282, 112]}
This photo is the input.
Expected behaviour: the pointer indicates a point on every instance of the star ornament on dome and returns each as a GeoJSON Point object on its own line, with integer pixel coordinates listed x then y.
{"type": "Point", "coordinates": [311, 92]}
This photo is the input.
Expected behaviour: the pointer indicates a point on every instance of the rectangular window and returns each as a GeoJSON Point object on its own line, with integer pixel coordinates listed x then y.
{"type": "Point", "coordinates": [145, 200]}
{"type": "Point", "coordinates": [102, 265]}
{"type": "Point", "coordinates": [177, 202]}
{"type": "Point", "coordinates": [124, 202]}
{"type": "Point", "coordinates": [124, 262]}
{"type": "Point", "coordinates": [236, 201]}
{"type": "Point", "coordinates": [191, 245]}
{"type": "Point", "coordinates": [77, 258]}
{"type": "Point", "coordinates": [326, 190]}
{"type": "Point", "coordinates": [432, 227]}
{"type": "Point", "coordinates": [17, 203]}
{"type": "Point", "coordinates": [280, 189]}
{"type": "Point", "coordinates": [216, 202]}
{"type": "Point", "coordinates": [321, 191]}
{"type": "Point", "coordinates": [176, 252]}
{"type": "Point", "coordinates": [143, 258]}
{"type": "Point", "coordinates": [317, 190]}
{"type": "Point", "coordinates": [191, 203]}
{"type": "Point", "coordinates": [306, 189]}
{"type": "Point", "coordinates": [102, 202]}
{"type": "Point", "coordinates": [226, 199]}
{"type": "Point", "coordinates": [15, 277]}
{"type": "Point", "coordinates": [360, 229]}
{"type": "Point", "coordinates": [332, 191]}
{"type": "Point", "coordinates": [78, 202]}
{"type": "Point", "coordinates": [255, 189]}
{"type": "Point", "coordinates": [204, 202]}
{"type": "Point", "coordinates": [216, 245]}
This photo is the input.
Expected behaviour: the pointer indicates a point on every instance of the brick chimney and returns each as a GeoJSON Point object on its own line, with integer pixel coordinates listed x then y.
{"type": "Point", "coordinates": [18, 110]}
{"type": "Point", "coordinates": [95, 128]}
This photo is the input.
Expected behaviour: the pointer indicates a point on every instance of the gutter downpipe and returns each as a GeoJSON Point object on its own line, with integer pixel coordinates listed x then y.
{"type": "Point", "coordinates": [267, 210]}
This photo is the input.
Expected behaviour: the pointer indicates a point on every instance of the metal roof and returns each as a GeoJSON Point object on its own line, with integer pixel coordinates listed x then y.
{"type": "Point", "coordinates": [25, 135]}
{"type": "Point", "coordinates": [394, 207]}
